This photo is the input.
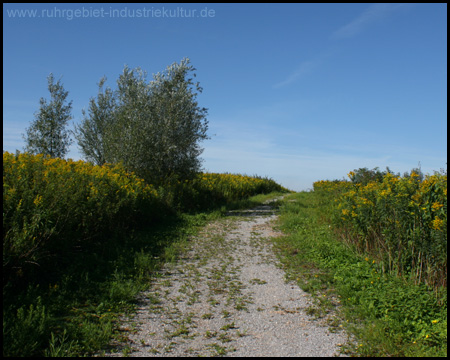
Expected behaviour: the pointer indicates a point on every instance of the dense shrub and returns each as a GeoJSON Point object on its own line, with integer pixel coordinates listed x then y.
{"type": "Point", "coordinates": [402, 221]}
{"type": "Point", "coordinates": [208, 190]}
{"type": "Point", "coordinates": [52, 207]}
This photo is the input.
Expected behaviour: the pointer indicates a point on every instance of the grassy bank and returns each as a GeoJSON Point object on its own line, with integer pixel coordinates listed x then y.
{"type": "Point", "coordinates": [388, 315]}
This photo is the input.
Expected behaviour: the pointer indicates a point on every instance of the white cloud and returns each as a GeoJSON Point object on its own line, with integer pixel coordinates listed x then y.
{"type": "Point", "coordinates": [307, 67]}
{"type": "Point", "coordinates": [372, 14]}
{"type": "Point", "coordinates": [304, 68]}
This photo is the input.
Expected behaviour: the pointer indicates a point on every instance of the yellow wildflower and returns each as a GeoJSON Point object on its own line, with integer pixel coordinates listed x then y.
{"type": "Point", "coordinates": [437, 223]}
{"type": "Point", "coordinates": [436, 206]}
{"type": "Point", "coordinates": [37, 200]}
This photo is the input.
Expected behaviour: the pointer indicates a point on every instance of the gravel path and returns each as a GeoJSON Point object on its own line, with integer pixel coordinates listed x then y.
{"type": "Point", "coordinates": [228, 297]}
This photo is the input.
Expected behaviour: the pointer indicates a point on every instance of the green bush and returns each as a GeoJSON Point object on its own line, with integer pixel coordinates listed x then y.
{"type": "Point", "coordinates": [54, 207]}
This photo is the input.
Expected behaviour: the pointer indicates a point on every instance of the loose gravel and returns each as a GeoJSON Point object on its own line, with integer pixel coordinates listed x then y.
{"type": "Point", "coordinates": [228, 297]}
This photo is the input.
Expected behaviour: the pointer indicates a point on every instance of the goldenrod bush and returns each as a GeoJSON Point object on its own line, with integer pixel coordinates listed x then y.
{"type": "Point", "coordinates": [207, 190]}
{"type": "Point", "coordinates": [402, 221]}
{"type": "Point", "coordinates": [52, 206]}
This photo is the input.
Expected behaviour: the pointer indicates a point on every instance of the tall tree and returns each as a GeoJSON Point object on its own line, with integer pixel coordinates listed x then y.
{"type": "Point", "coordinates": [127, 136]}
{"type": "Point", "coordinates": [153, 128]}
{"type": "Point", "coordinates": [92, 134]}
{"type": "Point", "coordinates": [180, 123]}
{"type": "Point", "coordinates": [48, 134]}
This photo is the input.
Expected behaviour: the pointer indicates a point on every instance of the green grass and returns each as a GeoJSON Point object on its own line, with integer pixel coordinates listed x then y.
{"type": "Point", "coordinates": [74, 310]}
{"type": "Point", "coordinates": [387, 315]}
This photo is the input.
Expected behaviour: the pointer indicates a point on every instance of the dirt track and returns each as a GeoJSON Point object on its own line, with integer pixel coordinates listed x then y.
{"type": "Point", "coordinates": [228, 297]}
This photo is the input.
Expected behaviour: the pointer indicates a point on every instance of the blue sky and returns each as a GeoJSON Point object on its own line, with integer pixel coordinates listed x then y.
{"type": "Point", "coordinates": [296, 92]}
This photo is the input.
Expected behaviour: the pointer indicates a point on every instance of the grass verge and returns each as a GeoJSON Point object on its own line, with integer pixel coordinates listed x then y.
{"type": "Point", "coordinates": [386, 315]}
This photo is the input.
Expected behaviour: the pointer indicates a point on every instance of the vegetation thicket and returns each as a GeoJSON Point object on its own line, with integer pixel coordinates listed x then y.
{"type": "Point", "coordinates": [376, 246]}
{"type": "Point", "coordinates": [400, 221]}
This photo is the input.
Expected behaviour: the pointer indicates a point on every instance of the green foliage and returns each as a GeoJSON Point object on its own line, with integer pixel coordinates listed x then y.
{"type": "Point", "coordinates": [47, 134]}
{"type": "Point", "coordinates": [154, 129]}
{"type": "Point", "coordinates": [364, 175]}
{"type": "Point", "coordinates": [211, 190]}
{"type": "Point", "coordinates": [25, 332]}
{"type": "Point", "coordinates": [387, 314]}
{"type": "Point", "coordinates": [133, 128]}
{"type": "Point", "coordinates": [60, 346]}
{"type": "Point", "coordinates": [92, 134]}
{"type": "Point", "coordinates": [181, 122]}
{"type": "Point", "coordinates": [401, 221]}
{"type": "Point", "coordinates": [54, 207]}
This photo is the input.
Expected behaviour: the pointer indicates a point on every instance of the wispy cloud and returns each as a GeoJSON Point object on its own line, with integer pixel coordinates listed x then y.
{"type": "Point", "coordinates": [303, 69]}
{"type": "Point", "coordinates": [371, 15]}
{"type": "Point", "coordinates": [306, 67]}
